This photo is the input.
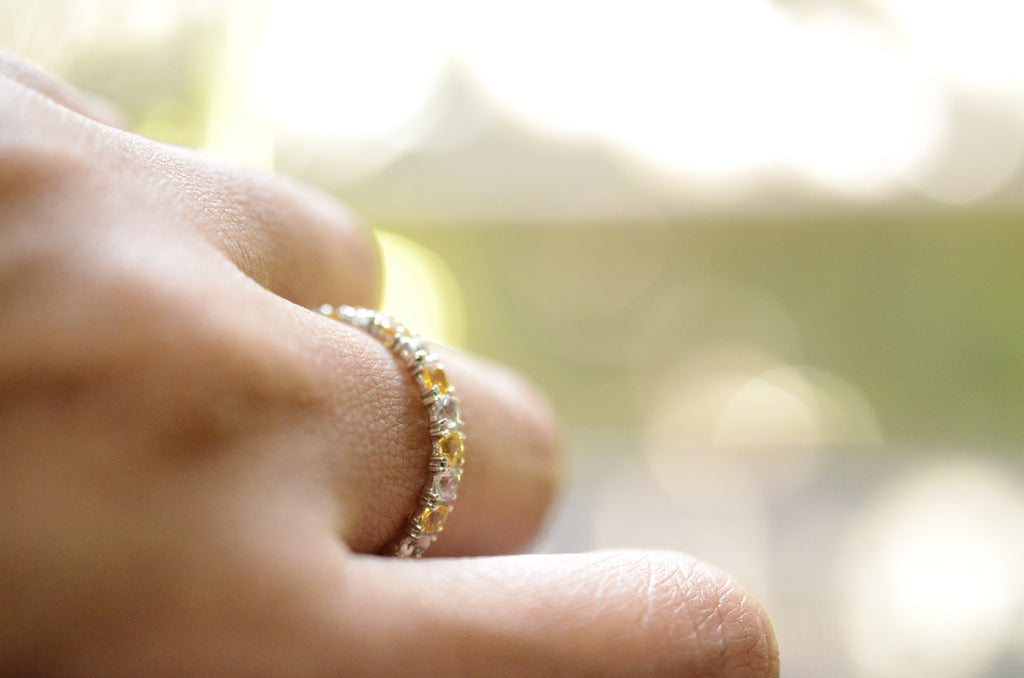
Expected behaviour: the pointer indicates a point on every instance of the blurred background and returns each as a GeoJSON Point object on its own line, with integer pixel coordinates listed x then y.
{"type": "Point", "coordinates": [764, 257]}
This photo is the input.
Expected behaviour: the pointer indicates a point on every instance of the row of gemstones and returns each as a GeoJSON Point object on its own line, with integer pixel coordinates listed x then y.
{"type": "Point", "coordinates": [446, 432]}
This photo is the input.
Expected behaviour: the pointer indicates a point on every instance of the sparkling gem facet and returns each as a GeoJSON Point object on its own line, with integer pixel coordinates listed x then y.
{"type": "Point", "coordinates": [390, 327]}
{"type": "Point", "coordinates": [364, 318]}
{"type": "Point", "coordinates": [413, 547]}
{"type": "Point", "coordinates": [451, 447]}
{"type": "Point", "coordinates": [446, 483]}
{"type": "Point", "coordinates": [431, 519]}
{"type": "Point", "coordinates": [445, 408]}
{"type": "Point", "coordinates": [433, 377]}
{"type": "Point", "coordinates": [406, 549]}
{"type": "Point", "coordinates": [411, 347]}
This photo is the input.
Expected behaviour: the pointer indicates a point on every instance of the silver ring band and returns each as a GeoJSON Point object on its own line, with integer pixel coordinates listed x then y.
{"type": "Point", "coordinates": [445, 424]}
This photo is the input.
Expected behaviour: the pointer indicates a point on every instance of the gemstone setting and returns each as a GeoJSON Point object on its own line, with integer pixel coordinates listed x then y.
{"type": "Point", "coordinates": [445, 424]}
{"type": "Point", "coordinates": [445, 408]}
{"type": "Point", "coordinates": [451, 447]}
{"type": "Point", "coordinates": [446, 484]}
{"type": "Point", "coordinates": [433, 378]}
{"type": "Point", "coordinates": [430, 519]}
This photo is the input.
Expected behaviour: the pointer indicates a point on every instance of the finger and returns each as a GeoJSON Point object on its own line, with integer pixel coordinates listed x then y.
{"type": "Point", "coordinates": [298, 243]}
{"type": "Point", "coordinates": [380, 446]}
{"type": "Point", "coordinates": [514, 465]}
{"type": "Point", "coordinates": [16, 70]}
{"type": "Point", "coordinates": [291, 239]}
{"type": "Point", "coordinates": [608, 614]}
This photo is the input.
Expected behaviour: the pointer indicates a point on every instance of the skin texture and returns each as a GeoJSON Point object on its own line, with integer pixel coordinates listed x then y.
{"type": "Point", "coordinates": [195, 469]}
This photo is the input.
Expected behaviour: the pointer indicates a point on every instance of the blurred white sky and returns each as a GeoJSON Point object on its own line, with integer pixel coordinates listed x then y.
{"type": "Point", "coordinates": [855, 98]}
{"type": "Point", "coordinates": [859, 97]}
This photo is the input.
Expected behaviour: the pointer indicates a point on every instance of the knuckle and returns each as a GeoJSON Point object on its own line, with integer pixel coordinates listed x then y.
{"type": "Point", "coordinates": [289, 238]}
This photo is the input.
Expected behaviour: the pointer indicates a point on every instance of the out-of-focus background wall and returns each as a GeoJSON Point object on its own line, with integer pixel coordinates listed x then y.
{"type": "Point", "coordinates": [765, 258]}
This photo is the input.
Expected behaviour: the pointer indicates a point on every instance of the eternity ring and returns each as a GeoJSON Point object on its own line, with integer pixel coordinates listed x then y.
{"type": "Point", "coordinates": [446, 434]}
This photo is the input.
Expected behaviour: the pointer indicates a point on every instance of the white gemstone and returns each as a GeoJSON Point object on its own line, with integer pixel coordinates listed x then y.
{"type": "Point", "coordinates": [446, 483]}
{"type": "Point", "coordinates": [420, 544]}
{"type": "Point", "coordinates": [445, 408]}
{"type": "Point", "coordinates": [404, 549]}
{"type": "Point", "coordinates": [384, 320]}
{"type": "Point", "coordinates": [413, 547]}
{"type": "Point", "coordinates": [411, 348]}
{"type": "Point", "coordinates": [410, 548]}
{"type": "Point", "coordinates": [364, 317]}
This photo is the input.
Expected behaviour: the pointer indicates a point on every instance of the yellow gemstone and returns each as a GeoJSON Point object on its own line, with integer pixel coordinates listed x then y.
{"type": "Point", "coordinates": [431, 518]}
{"type": "Point", "coordinates": [452, 448]}
{"type": "Point", "coordinates": [434, 378]}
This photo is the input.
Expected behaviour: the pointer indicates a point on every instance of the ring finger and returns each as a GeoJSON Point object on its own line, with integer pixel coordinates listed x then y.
{"type": "Point", "coordinates": [304, 250]}
{"type": "Point", "coordinates": [378, 431]}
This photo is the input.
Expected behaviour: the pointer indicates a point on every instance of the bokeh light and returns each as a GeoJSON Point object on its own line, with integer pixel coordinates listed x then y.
{"type": "Point", "coordinates": [973, 43]}
{"type": "Point", "coordinates": [832, 97]}
{"type": "Point", "coordinates": [980, 155]}
{"type": "Point", "coordinates": [322, 69]}
{"type": "Point", "coordinates": [867, 99]}
{"type": "Point", "coordinates": [931, 574]}
{"type": "Point", "coordinates": [746, 410]}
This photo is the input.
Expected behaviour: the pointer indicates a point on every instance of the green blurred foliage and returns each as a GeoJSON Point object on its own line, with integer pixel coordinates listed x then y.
{"type": "Point", "coordinates": [921, 312]}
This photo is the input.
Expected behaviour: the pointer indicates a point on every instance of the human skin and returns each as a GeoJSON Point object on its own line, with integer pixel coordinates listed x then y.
{"type": "Point", "coordinates": [196, 470]}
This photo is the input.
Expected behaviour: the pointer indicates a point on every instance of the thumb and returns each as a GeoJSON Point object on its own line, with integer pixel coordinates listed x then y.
{"type": "Point", "coordinates": [626, 613]}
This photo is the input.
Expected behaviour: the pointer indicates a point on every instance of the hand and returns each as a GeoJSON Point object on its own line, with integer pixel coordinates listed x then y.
{"type": "Point", "coordinates": [196, 470]}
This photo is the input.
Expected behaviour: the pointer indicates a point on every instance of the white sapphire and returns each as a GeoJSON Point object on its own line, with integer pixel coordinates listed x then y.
{"type": "Point", "coordinates": [411, 348]}
{"type": "Point", "coordinates": [446, 483]}
{"type": "Point", "coordinates": [413, 547]}
{"type": "Point", "coordinates": [445, 408]}
{"type": "Point", "coordinates": [364, 318]}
